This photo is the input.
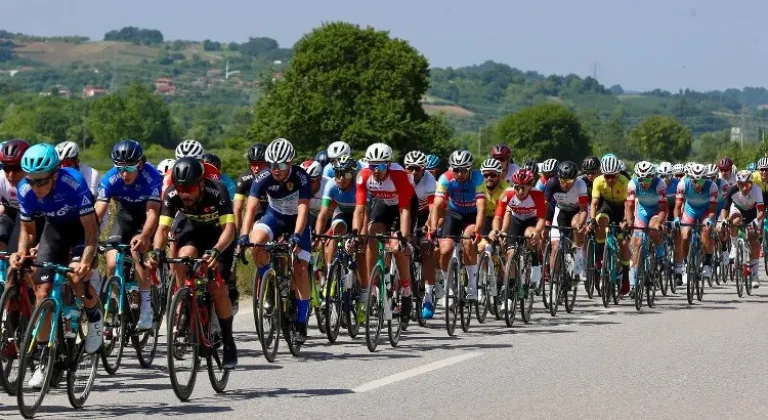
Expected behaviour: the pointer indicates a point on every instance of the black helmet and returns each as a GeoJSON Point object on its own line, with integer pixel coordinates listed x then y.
{"type": "Point", "coordinates": [212, 159]}
{"type": "Point", "coordinates": [532, 166]}
{"type": "Point", "coordinates": [256, 153]}
{"type": "Point", "coordinates": [127, 152]}
{"type": "Point", "coordinates": [567, 170]}
{"type": "Point", "coordinates": [322, 157]}
{"type": "Point", "coordinates": [590, 163]}
{"type": "Point", "coordinates": [187, 171]}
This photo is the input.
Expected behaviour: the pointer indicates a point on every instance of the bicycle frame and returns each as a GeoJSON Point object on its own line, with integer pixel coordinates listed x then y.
{"type": "Point", "coordinates": [194, 269]}
{"type": "Point", "coordinates": [59, 280]}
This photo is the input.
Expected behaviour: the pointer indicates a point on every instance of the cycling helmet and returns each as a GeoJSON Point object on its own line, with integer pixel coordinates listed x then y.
{"type": "Point", "coordinates": [433, 162]}
{"type": "Point", "coordinates": [725, 164]}
{"type": "Point", "coordinates": [67, 150]}
{"type": "Point", "coordinates": [491, 165]}
{"type": "Point", "coordinates": [280, 151]}
{"type": "Point", "coordinates": [256, 152]}
{"type": "Point", "coordinates": [610, 165]}
{"type": "Point", "coordinates": [532, 166]}
{"type": "Point", "coordinates": [567, 170]}
{"type": "Point", "coordinates": [165, 165]}
{"type": "Point", "coordinates": [127, 152]}
{"type": "Point", "coordinates": [12, 151]}
{"type": "Point", "coordinates": [460, 159]}
{"type": "Point", "coordinates": [378, 152]}
{"type": "Point", "coordinates": [752, 166]}
{"type": "Point", "coordinates": [744, 176]}
{"type": "Point", "coordinates": [678, 169]}
{"type": "Point", "coordinates": [762, 163]}
{"type": "Point", "coordinates": [522, 177]}
{"type": "Point", "coordinates": [590, 164]}
{"type": "Point", "coordinates": [322, 157]}
{"type": "Point", "coordinates": [189, 148]}
{"type": "Point", "coordinates": [501, 151]}
{"type": "Point", "coordinates": [40, 158]}
{"type": "Point", "coordinates": [549, 166]}
{"type": "Point", "coordinates": [665, 169]}
{"type": "Point", "coordinates": [338, 149]}
{"type": "Point", "coordinates": [688, 166]}
{"type": "Point", "coordinates": [622, 166]}
{"type": "Point", "coordinates": [415, 158]}
{"type": "Point", "coordinates": [607, 155]}
{"type": "Point", "coordinates": [345, 164]}
{"type": "Point", "coordinates": [187, 171]}
{"type": "Point", "coordinates": [313, 168]}
{"type": "Point", "coordinates": [697, 171]}
{"type": "Point", "coordinates": [644, 169]}
{"type": "Point", "coordinates": [212, 159]}
{"type": "Point", "coordinates": [712, 170]}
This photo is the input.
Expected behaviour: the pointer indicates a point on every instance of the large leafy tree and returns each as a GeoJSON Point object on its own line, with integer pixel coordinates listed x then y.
{"type": "Point", "coordinates": [661, 138]}
{"type": "Point", "coordinates": [544, 131]}
{"type": "Point", "coordinates": [351, 84]}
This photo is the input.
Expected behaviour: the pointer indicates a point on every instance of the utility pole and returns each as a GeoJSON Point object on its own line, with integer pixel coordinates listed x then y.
{"type": "Point", "coordinates": [594, 70]}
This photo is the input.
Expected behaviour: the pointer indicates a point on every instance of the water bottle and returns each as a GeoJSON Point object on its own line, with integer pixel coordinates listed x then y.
{"type": "Point", "coordinates": [349, 280]}
{"type": "Point", "coordinates": [569, 263]}
{"type": "Point", "coordinates": [71, 322]}
{"type": "Point", "coordinates": [133, 294]}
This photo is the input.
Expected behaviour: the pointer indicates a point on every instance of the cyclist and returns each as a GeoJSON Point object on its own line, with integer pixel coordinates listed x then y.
{"type": "Point", "coordinates": [165, 165]}
{"type": "Point", "coordinates": [503, 154]}
{"type": "Point", "coordinates": [722, 190]}
{"type": "Point", "coordinates": [678, 170]}
{"type": "Point", "coordinates": [63, 197]}
{"type": "Point", "coordinates": [317, 184]}
{"type": "Point", "coordinates": [566, 196]}
{"type": "Point", "coordinates": [210, 231]}
{"type": "Point", "coordinates": [322, 157]}
{"type": "Point", "coordinates": [650, 191]}
{"type": "Point", "coordinates": [10, 157]}
{"type": "Point", "coordinates": [460, 201]}
{"type": "Point", "coordinates": [727, 171]}
{"type": "Point", "coordinates": [187, 148]}
{"type": "Point", "coordinates": [533, 166]}
{"type": "Point", "coordinates": [433, 165]}
{"type": "Point", "coordinates": [256, 164]}
{"type": "Point", "coordinates": [495, 186]}
{"type": "Point", "coordinates": [696, 202]}
{"type": "Point", "coordinates": [389, 192]}
{"type": "Point", "coordinates": [335, 151]}
{"type": "Point", "coordinates": [69, 156]}
{"type": "Point", "coordinates": [135, 185]}
{"type": "Point", "coordinates": [288, 190]}
{"type": "Point", "coordinates": [548, 170]}
{"type": "Point", "coordinates": [339, 200]}
{"type": "Point", "coordinates": [744, 207]}
{"type": "Point", "coordinates": [225, 179]}
{"type": "Point", "coordinates": [590, 169]}
{"type": "Point", "coordinates": [609, 192]}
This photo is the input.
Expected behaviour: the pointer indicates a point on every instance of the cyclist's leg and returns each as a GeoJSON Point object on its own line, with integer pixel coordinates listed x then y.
{"type": "Point", "coordinates": [338, 227]}
{"type": "Point", "coordinates": [528, 227]}
{"type": "Point", "coordinates": [554, 237]}
{"type": "Point", "coordinates": [641, 220]}
{"type": "Point", "coordinates": [7, 228]}
{"type": "Point", "coordinates": [470, 253]}
{"type": "Point", "coordinates": [689, 217]}
{"type": "Point", "coordinates": [753, 236]}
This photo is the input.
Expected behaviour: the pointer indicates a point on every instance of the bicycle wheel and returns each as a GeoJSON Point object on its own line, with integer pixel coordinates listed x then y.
{"type": "Point", "coordinates": [451, 298]}
{"type": "Point", "coordinates": [664, 272]}
{"type": "Point", "coordinates": [333, 296]}
{"type": "Point", "coordinates": [486, 279]}
{"type": "Point", "coordinates": [605, 277]}
{"type": "Point", "coordinates": [590, 273]}
{"type": "Point", "coordinates": [700, 281]}
{"type": "Point", "coordinates": [523, 290]}
{"type": "Point", "coordinates": [570, 290]}
{"type": "Point", "coordinates": [739, 269]}
{"type": "Point", "coordinates": [748, 278]}
{"type": "Point", "coordinates": [692, 269]}
{"type": "Point", "coordinates": [418, 288]}
{"type": "Point", "coordinates": [215, 357]}
{"type": "Point", "coordinates": [764, 247]}
{"type": "Point", "coordinates": [80, 380]}
{"type": "Point", "coordinates": [33, 357]}
{"type": "Point", "coordinates": [465, 306]}
{"type": "Point", "coordinates": [651, 280]}
{"type": "Point", "coordinates": [546, 276]}
{"type": "Point", "coordinates": [269, 316]}
{"type": "Point", "coordinates": [114, 325]}
{"type": "Point", "coordinates": [288, 324]}
{"type": "Point", "coordinates": [556, 279]}
{"type": "Point", "coordinates": [145, 342]}
{"type": "Point", "coordinates": [508, 295]}
{"type": "Point", "coordinates": [393, 325]}
{"type": "Point", "coordinates": [351, 297]}
{"type": "Point", "coordinates": [318, 286]}
{"type": "Point", "coordinates": [256, 287]}
{"type": "Point", "coordinates": [13, 323]}
{"type": "Point", "coordinates": [374, 309]}
{"type": "Point", "coordinates": [183, 344]}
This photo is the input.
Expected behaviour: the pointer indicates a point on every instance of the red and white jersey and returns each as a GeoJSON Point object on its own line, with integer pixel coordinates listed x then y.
{"type": "Point", "coordinates": [511, 169]}
{"type": "Point", "coordinates": [395, 190]}
{"type": "Point", "coordinates": [425, 191]}
{"type": "Point", "coordinates": [532, 206]}
{"type": "Point", "coordinates": [8, 193]}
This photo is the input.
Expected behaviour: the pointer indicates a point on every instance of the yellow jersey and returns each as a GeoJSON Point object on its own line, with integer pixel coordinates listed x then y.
{"type": "Point", "coordinates": [757, 179]}
{"type": "Point", "coordinates": [613, 195]}
{"type": "Point", "coordinates": [492, 197]}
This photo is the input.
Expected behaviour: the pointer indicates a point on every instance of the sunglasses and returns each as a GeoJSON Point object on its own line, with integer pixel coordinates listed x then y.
{"type": "Point", "coordinates": [278, 166]}
{"type": "Point", "coordinates": [127, 168]}
{"type": "Point", "coordinates": [12, 168]}
{"type": "Point", "coordinates": [501, 158]}
{"type": "Point", "coordinates": [187, 189]}
{"type": "Point", "coordinates": [67, 163]}
{"type": "Point", "coordinates": [741, 184]}
{"type": "Point", "coordinates": [39, 182]}
{"type": "Point", "coordinates": [646, 179]}
{"type": "Point", "coordinates": [460, 170]}
{"type": "Point", "coordinates": [699, 181]}
{"type": "Point", "coordinates": [592, 173]}
{"type": "Point", "coordinates": [378, 167]}
{"type": "Point", "coordinates": [678, 176]}
{"type": "Point", "coordinates": [763, 169]}
{"type": "Point", "coordinates": [491, 175]}
{"type": "Point", "coordinates": [567, 181]}
{"type": "Point", "coordinates": [343, 175]}
{"type": "Point", "coordinates": [413, 168]}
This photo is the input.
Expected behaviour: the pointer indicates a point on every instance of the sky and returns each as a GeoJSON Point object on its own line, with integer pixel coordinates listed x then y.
{"type": "Point", "coordinates": [641, 45]}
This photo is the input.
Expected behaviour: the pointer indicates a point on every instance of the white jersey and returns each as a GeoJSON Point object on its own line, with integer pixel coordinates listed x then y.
{"type": "Point", "coordinates": [731, 180]}
{"type": "Point", "coordinates": [511, 169]}
{"type": "Point", "coordinates": [91, 177]}
{"type": "Point", "coordinates": [317, 198]}
{"type": "Point", "coordinates": [8, 192]}
{"type": "Point", "coordinates": [425, 191]}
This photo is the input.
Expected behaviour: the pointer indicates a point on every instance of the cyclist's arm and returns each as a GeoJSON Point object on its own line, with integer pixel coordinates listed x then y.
{"type": "Point", "coordinates": [593, 206]}
{"type": "Point", "coordinates": [480, 218]}
{"type": "Point", "coordinates": [251, 208]}
{"type": "Point", "coordinates": [27, 237]}
{"type": "Point", "coordinates": [101, 209]}
{"type": "Point", "coordinates": [679, 199]}
{"type": "Point", "coordinates": [153, 214]}
{"type": "Point", "coordinates": [325, 211]}
{"type": "Point", "coordinates": [238, 205]}
{"type": "Point", "coordinates": [712, 202]}
{"type": "Point", "coordinates": [437, 213]}
{"type": "Point", "coordinates": [91, 229]}
{"type": "Point", "coordinates": [227, 234]}
{"type": "Point", "coordinates": [303, 216]}
{"type": "Point", "coordinates": [507, 220]}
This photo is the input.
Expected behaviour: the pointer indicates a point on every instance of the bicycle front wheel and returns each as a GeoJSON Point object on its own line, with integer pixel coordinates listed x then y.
{"type": "Point", "coordinates": [486, 279]}
{"type": "Point", "coordinates": [451, 297]}
{"type": "Point", "coordinates": [80, 380]}
{"type": "Point", "coordinates": [739, 269]}
{"type": "Point", "coordinates": [114, 325]}
{"type": "Point", "coordinates": [555, 281]}
{"type": "Point", "coordinates": [590, 271]}
{"type": "Point", "coordinates": [183, 345]}
{"type": "Point", "coordinates": [215, 358]}
{"type": "Point", "coordinates": [145, 342]}
{"type": "Point", "coordinates": [34, 357]}
{"type": "Point", "coordinates": [333, 297]}
{"type": "Point", "coordinates": [374, 309]}
{"type": "Point", "coordinates": [13, 322]}
{"type": "Point", "coordinates": [269, 316]}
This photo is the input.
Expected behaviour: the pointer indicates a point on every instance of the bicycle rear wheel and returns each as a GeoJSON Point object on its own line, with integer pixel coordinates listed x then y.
{"type": "Point", "coordinates": [13, 323]}
{"type": "Point", "coordinates": [145, 342]}
{"type": "Point", "coordinates": [739, 269]}
{"type": "Point", "coordinates": [465, 306]}
{"type": "Point", "coordinates": [419, 291]}
{"type": "Point", "coordinates": [80, 380]}
{"type": "Point", "coordinates": [33, 357]}
{"type": "Point", "coordinates": [182, 344]}
{"type": "Point", "coordinates": [393, 325]}
{"type": "Point", "coordinates": [215, 357]}
{"type": "Point", "coordinates": [374, 310]}
{"type": "Point", "coordinates": [333, 297]}
{"type": "Point", "coordinates": [114, 325]}
{"type": "Point", "coordinates": [269, 316]}
{"type": "Point", "coordinates": [590, 273]}
{"type": "Point", "coordinates": [508, 295]}
{"type": "Point", "coordinates": [556, 279]}
{"type": "Point", "coordinates": [605, 277]}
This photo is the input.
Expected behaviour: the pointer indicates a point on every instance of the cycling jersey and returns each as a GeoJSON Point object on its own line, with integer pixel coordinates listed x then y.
{"type": "Point", "coordinates": [91, 177]}
{"type": "Point", "coordinates": [462, 197]}
{"type": "Point", "coordinates": [744, 202]}
{"type": "Point", "coordinates": [315, 203]}
{"type": "Point", "coordinates": [229, 184]}
{"type": "Point", "coordinates": [8, 195]}
{"type": "Point", "coordinates": [131, 197]}
{"type": "Point", "coordinates": [533, 206]}
{"type": "Point", "coordinates": [757, 179]}
{"type": "Point", "coordinates": [209, 172]}
{"type": "Point", "coordinates": [731, 180]}
{"type": "Point", "coordinates": [696, 203]}
{"type": "Point", "coordinates": [511, 169]}
{"type": "Point", "coordinates": [671, 189]}
{"type": "Point", "coordinates": [492, 197]}
{"type": "Point", "coordinates": [395, 190]}
{"type": "Point", "coordinates": [541, 183]}
{"type": "Point", "coordinates": [648, 199]}
{"type": "Point", "coordinates": [243, 185]}
{"type": "Point", "coordinates": [343, 201]}
{"type": "Point", "coordinates": [330, 174]}
{"type": "Point", "coordinates": [69, 199]}
{"type": "Point", "coordinates": [283, 196]}
{"type": "Point", "coordinates": [615, 194]}
{"type": "Point", "coordinates": [588, 183]}
{"type": "Point", "coordinates": [425, 191]}
{"type": "Point", "coordinates": [213, 208]}
{"type": "Point", "coordinates": [570, 200]}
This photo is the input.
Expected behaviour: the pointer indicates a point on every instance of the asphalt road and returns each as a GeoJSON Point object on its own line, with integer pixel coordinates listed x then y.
{"type": "Point", "coordinates": [677, 361]}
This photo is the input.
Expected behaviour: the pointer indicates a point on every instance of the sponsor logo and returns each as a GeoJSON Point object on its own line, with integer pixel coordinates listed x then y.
{"type": "Point", "coordinates": [72, 182]}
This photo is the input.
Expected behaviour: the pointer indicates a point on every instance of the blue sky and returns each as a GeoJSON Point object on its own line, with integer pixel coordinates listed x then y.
{"type": "Point", "coordinates": [642, 45]}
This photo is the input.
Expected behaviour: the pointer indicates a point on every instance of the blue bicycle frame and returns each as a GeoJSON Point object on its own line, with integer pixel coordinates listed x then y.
{"type": "Point", "coordinates": [59, 280]}
{"type": "Point", "coordinates": [120, 260]}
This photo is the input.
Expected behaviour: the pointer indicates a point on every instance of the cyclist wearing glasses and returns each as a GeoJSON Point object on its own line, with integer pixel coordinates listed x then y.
{"type": "Point", "coordinates": [339, 200]}
{"type": "Point", "coordinates": [135, 185]}
{"type": "Point", "coordinates": [548, 170]}
{"type": "Point", "coordinates": [335, 151]}
{"type": "Point", "coordinates": [256, 164]}
{"type": "Point", "coordinates": [567, 200]}
{"type": "Point", "coordinates": [433, 165]}
{"type": "Point", "coordinates": [10, 226]}
{"type": "Point", "coordinates": [317, 183]}
{"type": "Point", "coordinates": [744, 206]}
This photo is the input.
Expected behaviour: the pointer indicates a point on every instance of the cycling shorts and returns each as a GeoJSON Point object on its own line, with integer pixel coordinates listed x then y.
{"type": "Point", "coordinates": [747, 216]}
{"type": "Point", "coordinates": [59, 244]}
{"type": "Point", "coordinates": [276, 226]}
{"type": "Point", "coordinates": [455, 223]}
{"type": "Point", "coordinates": [204, 237]}
{"type": "Point", "coordinates": [692, 216]}
{"type": "Point", "coordinates": [562, 218]}
{"type": "Point", "coordinates": [126, 225]}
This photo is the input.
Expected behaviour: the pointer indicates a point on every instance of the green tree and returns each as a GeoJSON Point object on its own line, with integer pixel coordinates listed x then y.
{"type": "Point", "coordinates": [660, 138]}
{"type": "Point", "coordinates": [547, 130]}
{"type": "Point", "coordinates": [351, 84]}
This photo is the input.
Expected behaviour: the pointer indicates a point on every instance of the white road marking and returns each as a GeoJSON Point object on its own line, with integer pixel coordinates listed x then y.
{"type": "Point", "coordinates": [387, 380]}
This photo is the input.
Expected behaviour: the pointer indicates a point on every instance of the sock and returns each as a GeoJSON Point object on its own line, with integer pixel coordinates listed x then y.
{"type": "Point", "coordinates": [428, 288]}
{"type": "Point", "coordinates": [632, 276]}
{"type": "Point", "coordinates": [472, 275]}
{"type": "Point", "coordinates": [303, 310]}
{"type": "Point", "coordinates": [405, 287]}
{"type": "Point", "coordinates": [226, 330]}
{"type": "Point", "coordinates": [93, 314]}
{"type": "Point", "coordinates": [144, 296]}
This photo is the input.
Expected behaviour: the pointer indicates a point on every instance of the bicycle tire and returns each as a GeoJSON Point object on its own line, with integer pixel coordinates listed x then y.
{"type": "Point", "coordinates": [141, 339]}
{"type": "Point", "coordinates": [288, 324]}
{"type": "Point", "coordinates": [738, 269]}
{"type": "Point", "coordinates": [214, 358]}
{"type": "Point", "coordinates": [546, 275]}
{"type": "Point", "coordinates": [333, 298]}
{"type": "Point", "coordinates": [373, 332]}
{"type": "Point", "coordinates": [256, 288]}
{"type": "Point", "coordinates": [651, 283]}
{"type": "Point", "coordinates": [7, 331]}
{"type": "Point", "coordinates": [590, 272]}
{"type": "Point", "coordinates": [691, 268]}
{"type": "Point", "coordinates": [182, 299]}
{"type": "Point", "coordinates": [418, 290]}
{"type": "Point", "coordinates": [352, 299]}
{"type": "Point", "coordinates": [394, 327]}
{"type": "Point", "coordinates": [605, 277]}
{"type": "Point", "coordinates": [451, 305]}
{"type": "Point", "coordinates": [748, 279]}
{"type": "Point", "coordinates": [270, 342]}
{"type": "Point", "coordinates": [484, 287]}
{"type": "Point", "coordinates": [318, 285]}
{"type": "Point", "coordinates": [700, 281]}
{"type": "Point", "coordinates": [556, 271]}
{"type": "Point", "coordinates": [465, 306]}
{"type": "Point", "coordinates": [48, 305]}
{"type": "Point", "coordinates": [524, 282]}
{"type": "Point", "coordinates": [117, 325]}
{"type": "Point", "coordinates": [508, 292]}
{"type": "Point", "coordinates": [90, 363]}
{"type": "Point", "coordinates": [640, 272]}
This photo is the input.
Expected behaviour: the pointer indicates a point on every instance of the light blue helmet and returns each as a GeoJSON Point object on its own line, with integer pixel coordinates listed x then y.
{"type": "Point", "coordinates": [433, 162]}
{"type": "Point", "coordinates": [40, 158]}
{"type": "Point", "coordinates": [752, 167]}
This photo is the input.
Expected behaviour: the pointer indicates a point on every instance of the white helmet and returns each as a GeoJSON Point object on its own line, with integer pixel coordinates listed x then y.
{"type": "Point", "coordinates": [622, 166]}
{"type": "Point", "coordinates": [688, 166]}
{"type": "Point", "coordinates": [697, 171]}
{"type": "Point", "coordinates": [415, 158]}
{"type": "Point", "coordinates": [378, 152]}
{"type": "Point", "coordinates": [644, 169]}
{"type": "Point", "coordinates": [491, 164]}
{"type": "Point", "coordinates": [762, 163]}
{"type": "Point", "coordinates": [665, 169]}
{"type": "Point", "coordinates": [461, 159]}
{"type": "Point", "coordinates": [313, 168]}
{"type": "Point", "coordinates": [279, 151]}
{"type": "Point", "coordinates": [610, 165]}
{"type": "Point", "coordinates": [165, 164]}
{"type": "Point", "coordinates": [712, 170]}
{"type": "Point", "coordinates": [744, 176]}
{"type": "Point", "coordinates": [67, 150]}
{"type": "Point", "coordinates": [549, 166]}
{"type": "Point", "coordinates": [338, 149]}
{"type": "Point", "coordinates": [190, 148]}
{"type": "Point", "coordinates": [678, 168]}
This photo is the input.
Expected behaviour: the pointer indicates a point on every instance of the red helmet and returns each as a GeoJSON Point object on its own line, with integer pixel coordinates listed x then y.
{"type": "Point", "coordinates": [725, 164]}
{"type": "Point", "coordinates": [12, 151]}
{"type": "Point", "coordinates": [522, 177]}
{"type": "Point", "coordinates": [501, 151]}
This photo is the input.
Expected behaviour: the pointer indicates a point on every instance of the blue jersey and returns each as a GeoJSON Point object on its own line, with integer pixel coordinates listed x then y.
{"type": "Point", "coordinates": [648, 199]}
{"type": "Point", "coordinates": [328, 170]}
{"type": "Point", "coordinates": [66, 203]}
{"type": "Point", "coordinates": [283, 196]}
{"type": "Point", "coordinates": [230, 184]}
{"type": "Point", "coordinates": [696, 203]}
{"type": "Point", "coordinates": [672, 189]}
{"type": "Point", "coordinates": [133, 197]}
{"type": "Point", "coordinates": [461, 196]}
{"type": "Point", "coordinates": [344, 201]}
